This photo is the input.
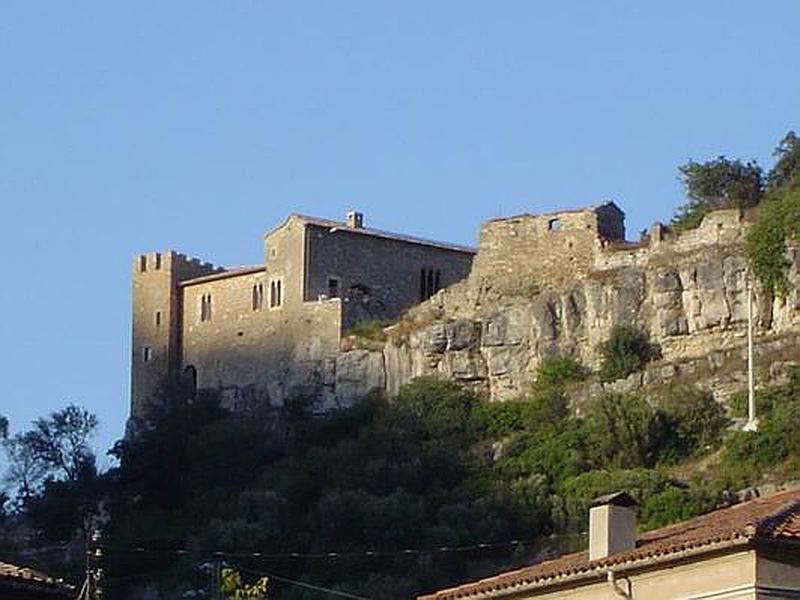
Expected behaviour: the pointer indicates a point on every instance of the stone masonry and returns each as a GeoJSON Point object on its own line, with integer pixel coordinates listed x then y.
{"type": "Point", "coordinates": [267, 333]}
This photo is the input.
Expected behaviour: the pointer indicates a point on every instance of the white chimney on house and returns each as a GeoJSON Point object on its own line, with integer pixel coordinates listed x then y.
{"type": "Point", "coordinates": [355, 219]}
{"type": "Point", "coordinates": [612, 525]}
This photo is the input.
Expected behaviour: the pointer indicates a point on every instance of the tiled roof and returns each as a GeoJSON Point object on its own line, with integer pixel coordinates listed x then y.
{"type": "Point", "coordinates": [775, 517]}
{"type": "Point", "coordinates": [398, 237]}
{"type": "Point", "coordinates": [25, 576]}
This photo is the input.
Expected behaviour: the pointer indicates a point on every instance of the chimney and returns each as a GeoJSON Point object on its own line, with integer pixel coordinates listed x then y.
{"type": "Point", "coordinates": [355, 219]}
{"type": "Point", "coordinates": [612, 525]}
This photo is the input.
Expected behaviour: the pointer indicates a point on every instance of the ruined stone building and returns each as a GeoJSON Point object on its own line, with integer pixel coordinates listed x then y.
{"type": "Point", "coordinates": [263, 333]}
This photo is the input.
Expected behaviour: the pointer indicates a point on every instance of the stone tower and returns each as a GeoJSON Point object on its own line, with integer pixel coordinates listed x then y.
{"type": "Point", "coordinates": [156, 323]}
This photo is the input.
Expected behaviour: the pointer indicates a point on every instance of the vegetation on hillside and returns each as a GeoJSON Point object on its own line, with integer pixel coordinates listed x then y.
{"type": "Point", "coordinates": [437, 467]}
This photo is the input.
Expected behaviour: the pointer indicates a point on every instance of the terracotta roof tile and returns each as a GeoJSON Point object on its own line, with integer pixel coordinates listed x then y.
{"type": "Point", "coordinates": [774, 517]}
{"type": "Point", "coordinates": [24, 575]}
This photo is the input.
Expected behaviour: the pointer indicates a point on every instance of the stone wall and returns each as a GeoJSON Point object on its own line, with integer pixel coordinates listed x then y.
{"type": "Point", "coordinates": [527, 252]}
{"type": "Point", "coordinates": [155, 347]}
{"type": "Point", "coordinates": [377, 278]}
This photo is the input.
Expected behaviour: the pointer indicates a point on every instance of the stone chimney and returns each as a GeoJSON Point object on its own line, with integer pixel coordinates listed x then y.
{"type": "Point", "coordinates": [612, 525]}
{"type": "Point", "coordinates": [355, 219]}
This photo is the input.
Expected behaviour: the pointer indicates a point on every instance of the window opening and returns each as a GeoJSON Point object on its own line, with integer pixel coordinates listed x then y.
{"type": "Point", "coordinates": [143, 263]}
{"type": "Point", "coordinates": [333, 287]}
{"type": "Point", "coordinates": [158, 318]}
{"type": "Point", "coordinates": [555, 224]}
{"type": "Point", "coordinates": [147, 354]}
{"type": "Point", "coordinates": [205, 307]}
{"type": "Point", "coordinates": [158, 260]}
{"type": "Point", "coordinates": [275, 299]}
{"type": "Point", "coordinates": [258, 296]}
{"type": "Point", "coordinates": [430, 282]}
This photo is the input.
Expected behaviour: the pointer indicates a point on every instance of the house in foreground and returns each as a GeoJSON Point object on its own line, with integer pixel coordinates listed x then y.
{"type": "Point", "coordinates": [750, 551]}
{"type": "Point", "coordinates": [20, 583]}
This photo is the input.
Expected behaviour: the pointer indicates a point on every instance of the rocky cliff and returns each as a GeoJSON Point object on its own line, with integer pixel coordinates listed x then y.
{"type": "Point", "coordinates": [523, 303]}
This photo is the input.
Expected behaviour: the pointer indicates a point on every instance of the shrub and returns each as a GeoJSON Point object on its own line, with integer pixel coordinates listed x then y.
{"type": "Point", "coordinates": [627, 350]}
{"type": "Point", "coordinates": [624, 431]}
{"type": "Point", "coordinates": [559, 370]}
{"type": "Point", "coordinates": [540, 408]}
{"type": "Point", "coordinates": [370, 329]}
{"type": "Point", "coordinates": [696, 421]}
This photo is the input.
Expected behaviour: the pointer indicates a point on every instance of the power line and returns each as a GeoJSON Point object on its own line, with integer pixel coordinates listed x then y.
{"type": "Point", "coordinates": [336, 554]}
{"type": "Point", "coordinates": [305, 585]}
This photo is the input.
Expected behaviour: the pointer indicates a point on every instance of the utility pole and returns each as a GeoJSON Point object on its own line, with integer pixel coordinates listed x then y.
{"type": "Point", "coordinates": [752, 420]}
{"type": "Point", "coordinates": [93, 584]}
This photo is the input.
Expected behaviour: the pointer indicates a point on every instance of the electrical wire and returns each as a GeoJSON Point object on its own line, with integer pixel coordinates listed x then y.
{"type": "Point", "coordinates": [303, 584]}
{"type": "Point", "coordinates": [334, 554]}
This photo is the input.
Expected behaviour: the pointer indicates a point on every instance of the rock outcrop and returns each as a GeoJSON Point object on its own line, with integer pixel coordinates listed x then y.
{"type": "Point", "coordinates": [493, 330]}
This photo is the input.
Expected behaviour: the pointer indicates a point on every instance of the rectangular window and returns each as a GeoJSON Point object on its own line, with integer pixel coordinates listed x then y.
{"type": "Point", "coordinates": [258, 296]}
{"type": "Point", "coordinates": [333, 287]}
{"type": "Point", "coordinates": [147, 354]}
{"type": "Point", "coordinates": [158, 260]}
{"type": "Point", "coordinates": [430, 282]}
{"type": "Point", "coordinates": [143, 263]}
{"type": "Point", "coordinates": [158, 318]}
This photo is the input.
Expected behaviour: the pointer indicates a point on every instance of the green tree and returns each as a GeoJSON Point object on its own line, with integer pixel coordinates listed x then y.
{"type": "Point", "coordinates": [786, 171]}
{"type": "Point", "coordinates": [777, 225]}
{"type": "Point", "coordinates": [625, 432]}
{"type": "Point", "coordinates": [3, 428]}
{"type": "Point", "coordinates": [718, 183]}
{"type": "Point", "coordinates": [61, 441]}
{"type": "Point", "coordinates": [627, 350]}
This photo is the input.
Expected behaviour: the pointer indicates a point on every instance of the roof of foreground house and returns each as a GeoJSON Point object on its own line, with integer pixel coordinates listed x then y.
{"type": "Point", "coordinates": [25, 578]}
{"type": "Point", "coordinates": [771, 518]}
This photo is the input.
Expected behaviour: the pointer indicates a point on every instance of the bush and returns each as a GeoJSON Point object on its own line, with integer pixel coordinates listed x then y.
{"type": "Point", "coordinates": [696, 421]}
{"type": "Point", "coordinates": [540, 408]}
{"type": "Point", "coordinates": [559, 370]}
{"type": "Point", "coordinates": [624, 431]}
{"type": "Point", "coordinates": [627, 350]}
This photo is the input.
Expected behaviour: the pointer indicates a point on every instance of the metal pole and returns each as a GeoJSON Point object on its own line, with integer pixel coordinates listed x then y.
{"type": "Point", "coordinates": [752, 421]}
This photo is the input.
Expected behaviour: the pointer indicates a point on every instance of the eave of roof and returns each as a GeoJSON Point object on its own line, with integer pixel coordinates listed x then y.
{"type": "Point", "coordinates": [774, 519]}
{"type": "Point", "coordinates": [235, 272]}
{"type": "Point", "coordinates": [341, 226]}
{"type": "Point", "coordinates": [25, 577]}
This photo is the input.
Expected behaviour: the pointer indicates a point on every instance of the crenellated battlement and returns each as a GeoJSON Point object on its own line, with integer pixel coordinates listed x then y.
{"type": "Point", "coordinates": [178, 265]}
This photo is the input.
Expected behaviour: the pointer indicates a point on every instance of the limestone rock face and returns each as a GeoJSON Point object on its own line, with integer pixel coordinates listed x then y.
{"type": "Point", "coordinates": [359, 373]}
{"type": "Point", "coordinates": [689, 292]}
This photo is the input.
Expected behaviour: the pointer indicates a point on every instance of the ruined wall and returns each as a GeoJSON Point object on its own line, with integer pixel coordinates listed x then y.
{"type": "Point", "coordinates": [530, 251]}
{"type": "Point", "coordinates": [377, 278]}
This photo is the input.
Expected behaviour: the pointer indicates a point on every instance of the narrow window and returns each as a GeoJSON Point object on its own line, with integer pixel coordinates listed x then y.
{"type": "Point", "coordinates": [437, 281]}
{"type": "Point", "coordinates": [158, 260]}
{"type": "Point", "coordinates": [333, 287]}
{"type": "Point", "coordinates": [258, 296]}
{"type": "Point", "coordinates": [272, 294]}
{"type": "Point", "coordinates": [205, 307]}
{"type": "Point", "coordinates": [143, 263]}
{"type": "Point", "coordinates": [429, 288]}
{"type": "Point", "coordinates": [423, 285]}
{"type": "Point", "coordinates": [280, 299]}
{"type": "Point", "coordinates": [158, 318]}
{"type": "Point", "coordinates": [147, 354]}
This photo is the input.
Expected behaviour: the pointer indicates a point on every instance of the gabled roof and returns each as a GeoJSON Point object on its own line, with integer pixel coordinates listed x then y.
{"type": "Point", "coordinates": [388, 235]}
{"type": "Point", "coordinates": [23, 577]}
{"type": "Point", "coordinates": [773, 518]}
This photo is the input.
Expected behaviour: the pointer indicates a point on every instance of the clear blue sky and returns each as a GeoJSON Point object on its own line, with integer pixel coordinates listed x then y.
{"type": "Point", "coordinates": [127, 127]}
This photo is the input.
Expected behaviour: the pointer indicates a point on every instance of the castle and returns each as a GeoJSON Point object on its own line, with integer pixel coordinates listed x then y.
{"type": "Point", "coordinates": [265, 333]}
